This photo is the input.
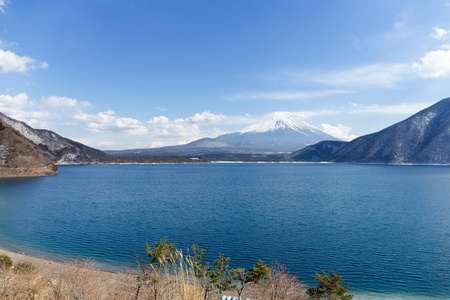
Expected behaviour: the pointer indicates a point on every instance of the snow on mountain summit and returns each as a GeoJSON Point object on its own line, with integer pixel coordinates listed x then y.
{"type": "Point", "coordinates": [279, 120]}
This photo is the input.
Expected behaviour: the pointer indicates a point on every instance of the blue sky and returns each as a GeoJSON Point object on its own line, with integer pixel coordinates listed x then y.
{"type": "Point", "coordinates": [130, 74]}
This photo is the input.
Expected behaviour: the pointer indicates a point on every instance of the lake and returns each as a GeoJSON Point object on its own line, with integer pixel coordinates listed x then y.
{"type": "Point", "coordinates": [384, 229]}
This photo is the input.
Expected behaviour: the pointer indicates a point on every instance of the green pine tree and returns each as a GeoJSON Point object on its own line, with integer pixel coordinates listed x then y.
{"type": "Point", "coordinates": [329, 287]}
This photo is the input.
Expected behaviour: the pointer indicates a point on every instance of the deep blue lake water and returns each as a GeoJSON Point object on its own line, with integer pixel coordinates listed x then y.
{"type": "Point", "coordinates": [384, 229]}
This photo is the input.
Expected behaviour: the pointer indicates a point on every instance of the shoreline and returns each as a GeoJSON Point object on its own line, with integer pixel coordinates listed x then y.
{"type": "Point", "coordinates": [249, 162]}
{"type": "Point", "coordinates": [47, 267]}
{"type": "Point", "coordinates": [42, 264]}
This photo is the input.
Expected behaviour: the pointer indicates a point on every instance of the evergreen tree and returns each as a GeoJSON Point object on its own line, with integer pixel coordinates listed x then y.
{"type": "Point", "coordinates": [329, 287]}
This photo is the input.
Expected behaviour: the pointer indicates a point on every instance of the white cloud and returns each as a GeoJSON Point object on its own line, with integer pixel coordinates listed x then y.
{"type": "Point", "coordinates": [55, 101]}
{"type": "Point", "coordinates": [440, 33]}
{"type": "Point", "coordinates": [206, 117]}
{"type": "Point", "coordinates": [157, 127]}
{"type": "Point", "coordinates": [2, 4]}
{"type": "Point", "coordinates": [21, 108]}
{"type": "Point", "coordinates": [166, 132]}
{"type": "Point", "coordinates": [10, 103]}
{"type": "Point", "coordinates": [11, 62]}
{"type": "Point", "coordinates": [434, 64]}
{"type": "Point", "coordinates": [163, 127]}
{"type": "Point", "coordinates": [108, 121]}
{"type": "Point", "coordinates": [340, 131]}
{"type": "Point", "coordinates": [69, 112]}
{"type": "Point", "coordinates": [401, 109]}
{"type": "Point", "coordinates": [162, 109]}
{"type": "Point", "coordinates": [285, 95]}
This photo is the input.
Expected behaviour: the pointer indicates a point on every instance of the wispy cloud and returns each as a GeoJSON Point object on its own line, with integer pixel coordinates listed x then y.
{"type": "Point", "coordinates": [55, 101]}
{"type": "Point", "coordinates": [386, 75]}
{"type": "Point", "coordinates": [399, 31]}
{"type": "Point", "coordinates": [4, 44]}
{"type": "Point", "coordinates": [433, 64]}
{"type": "Point", "coordinates": [3, 4]}
{"type": "Point", "coordinates": [440, 33]}
{"type": "Point", "coordinates": [284, 95]}
{"type": "Point", "coordinates": [317, 113]}
{"type": "Point", "coordinates": [397, 109]}
{"type": "Point", "coordinates": [11, 62]}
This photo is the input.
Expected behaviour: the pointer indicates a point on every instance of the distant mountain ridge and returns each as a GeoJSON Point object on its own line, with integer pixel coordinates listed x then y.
{"type": "Point", "coordinates": [54, 147]}
{"type": "Point", "coordinates": [202, 146]}
{"type": "Point", "coordinates": [423, 138]}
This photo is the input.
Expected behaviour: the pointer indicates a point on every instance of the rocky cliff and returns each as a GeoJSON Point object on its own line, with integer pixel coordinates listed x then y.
{"type": "Point", "coordinates": [56, 148]}
{"type": "Point", "coordinates": [19, 157]}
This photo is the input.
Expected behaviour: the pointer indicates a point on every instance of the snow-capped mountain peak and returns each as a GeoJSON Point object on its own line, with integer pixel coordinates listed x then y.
{"type": "Point", "coordinates": [279, 120]}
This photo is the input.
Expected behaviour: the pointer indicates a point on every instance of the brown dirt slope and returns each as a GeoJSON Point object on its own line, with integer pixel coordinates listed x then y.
{"type": "Point", "coordinates": [19, 157]}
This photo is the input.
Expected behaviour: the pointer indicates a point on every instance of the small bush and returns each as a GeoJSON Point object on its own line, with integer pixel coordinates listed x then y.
{"type": "Point", "coordinates": [24, 267]}
{"type": "Point", "coordinates": [54, 168]}
{"type": "Point", "coordinates": [5, 261]}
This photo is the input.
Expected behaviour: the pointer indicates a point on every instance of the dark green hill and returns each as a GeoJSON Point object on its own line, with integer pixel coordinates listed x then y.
{"type": "Point", "coordinates": [423, 138]}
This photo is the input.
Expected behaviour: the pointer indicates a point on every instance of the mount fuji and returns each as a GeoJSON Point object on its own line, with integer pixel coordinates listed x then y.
{"type": "Point", "coordinates": [277, 133]}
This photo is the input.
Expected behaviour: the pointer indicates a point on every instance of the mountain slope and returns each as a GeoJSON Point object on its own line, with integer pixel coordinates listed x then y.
{"type": "Point", "coordinates": [423, 138]}
{"type": "Point", "coordinates": [202, 146]}
{"type": "Point", "coordinates": [56, 148]}
{"type": "Point", "coordinates": [20, 157]}
{"type": "Point", "coordinates": [278, 132]}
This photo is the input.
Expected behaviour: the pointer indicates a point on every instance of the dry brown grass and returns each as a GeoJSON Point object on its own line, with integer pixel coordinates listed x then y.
{"type": "Point", "coordinates": [176, 281]}
{"type": "Point", "coordinates": [80, 280]}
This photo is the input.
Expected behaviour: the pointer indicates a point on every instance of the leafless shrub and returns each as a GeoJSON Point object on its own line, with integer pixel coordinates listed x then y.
{"type": "Point", "coordinates": [174, 281]}
{"type": "Point", "coordinates": [279, 285]}
{"type": "Point", "coordinates": [79, 280]}
{"type": "Point", "coordinates": [22, 285]}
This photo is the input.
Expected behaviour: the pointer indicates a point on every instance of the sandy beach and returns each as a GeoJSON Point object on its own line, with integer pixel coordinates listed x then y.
{"type": "Point", "coordinates": [40, 263]}
{"type": "Point", "coordinates": [48, 268]}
